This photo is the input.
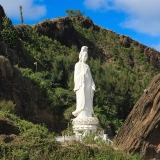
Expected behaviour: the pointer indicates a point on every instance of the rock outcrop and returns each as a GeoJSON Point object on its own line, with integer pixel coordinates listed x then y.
{"type": "Point", "coordinates": [7, 127]}
{"type": "Point", "coordinates": [151, 54]}
{"type": "Point", "coordinates": [141, 130]}
{"type": "Point", "coordinates": [8, 131]}
{"type": "Point", "coordinates": [60, 29]}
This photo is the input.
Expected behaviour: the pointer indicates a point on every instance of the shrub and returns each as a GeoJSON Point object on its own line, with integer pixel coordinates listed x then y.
{"type": "Point", "coordinates": [8, 106]}
{"type": "Point", "coordinates": [8, 32]}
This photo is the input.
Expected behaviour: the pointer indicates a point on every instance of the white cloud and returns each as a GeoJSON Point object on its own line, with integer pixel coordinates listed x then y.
{"type": "Point", "coordinates": [30, 10]}
{"type": "Point", "coordinates": [142, 15]}
{"type": "Point", "coordinates": [97, 4]}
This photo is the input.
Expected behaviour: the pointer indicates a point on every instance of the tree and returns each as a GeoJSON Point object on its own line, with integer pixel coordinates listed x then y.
{"type": "Point", "coordinates": [74, 13]}
{"type": "Point", "coordinates": [8, 32]}
{"type": "Point", "coordinates": [21, 15]}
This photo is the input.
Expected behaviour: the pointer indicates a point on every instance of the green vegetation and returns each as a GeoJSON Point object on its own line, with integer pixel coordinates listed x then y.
{"type": "Point", "coordinates": [120, 74]}
{"type": "Point", "coordinates": [7, 106]}
{"type": "Point", "coordinates": [74, 13]}
{"type": "Point", "coordinates": [36, 142]}
{"type": "Point", "coordinates": [118, 84]}
{"type": "Point", "coordinates": [33, 141]}
{"type": "Point", "coordinates": [8, 33]}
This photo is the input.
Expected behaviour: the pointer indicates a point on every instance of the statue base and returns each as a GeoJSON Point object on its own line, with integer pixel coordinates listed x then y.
{"type": "Point", "coordinates": [84, 125]}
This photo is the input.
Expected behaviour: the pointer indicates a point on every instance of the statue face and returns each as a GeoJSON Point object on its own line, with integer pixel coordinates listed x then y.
{"type": "Point", "coordinates": [84, 57]}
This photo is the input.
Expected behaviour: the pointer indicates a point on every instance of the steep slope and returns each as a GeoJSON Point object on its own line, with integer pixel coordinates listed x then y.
{"type": "Point", "coordinates": [65, 30]}
{"type": "Point", "coordinates": [141, 130]}
{"type": "Point", "coordinates": [28, 99]}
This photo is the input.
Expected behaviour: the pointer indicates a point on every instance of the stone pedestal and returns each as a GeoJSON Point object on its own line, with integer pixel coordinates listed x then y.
{"type": "Point", "coordinates": [84, 125]}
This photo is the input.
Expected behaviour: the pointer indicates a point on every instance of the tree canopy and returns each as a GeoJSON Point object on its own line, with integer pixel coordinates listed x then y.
{"type": "Point", "coordinates": [74, 13]}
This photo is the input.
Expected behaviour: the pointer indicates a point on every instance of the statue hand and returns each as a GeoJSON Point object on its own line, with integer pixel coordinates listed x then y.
{"type": "Point", "coordinates": [94, 88]}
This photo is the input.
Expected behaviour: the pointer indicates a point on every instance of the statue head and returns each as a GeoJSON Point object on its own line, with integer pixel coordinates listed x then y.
{"type": "Point", "coordinates": [84, 49]}
{"type": "Point", "coordinates": [84, 57]}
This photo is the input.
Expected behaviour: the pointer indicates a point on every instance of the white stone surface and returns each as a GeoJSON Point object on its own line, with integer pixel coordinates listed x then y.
{"type": "Point", "coordinates": [65, 138]}
{"type": "Point", "coordinates": [85, 124]}
{"type": "Point", "coordinates": [80, 136]}
{"type": "Point", "coordinates": [84, 89]}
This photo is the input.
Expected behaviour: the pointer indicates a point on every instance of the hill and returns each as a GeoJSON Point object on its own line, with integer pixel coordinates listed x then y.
{"type": "Point", "coordinates": [37, 64]}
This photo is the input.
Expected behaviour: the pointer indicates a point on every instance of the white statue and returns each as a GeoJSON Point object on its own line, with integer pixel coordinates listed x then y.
{"type": "Point", "coordinates": [84, 86]}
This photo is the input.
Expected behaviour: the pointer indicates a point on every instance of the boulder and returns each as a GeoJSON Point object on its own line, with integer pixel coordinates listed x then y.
{"type": "Point", "coordinates": [8, 131]}
{"type": "Point", "coordinates": [7, 127]}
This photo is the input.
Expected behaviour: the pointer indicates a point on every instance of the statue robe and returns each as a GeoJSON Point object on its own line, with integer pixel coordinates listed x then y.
{"type": "Point", "coordinates": [84, 93]}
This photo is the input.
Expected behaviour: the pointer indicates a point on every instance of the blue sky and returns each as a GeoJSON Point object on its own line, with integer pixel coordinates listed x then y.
{"type": "Point", "coordinates": [138, 19]}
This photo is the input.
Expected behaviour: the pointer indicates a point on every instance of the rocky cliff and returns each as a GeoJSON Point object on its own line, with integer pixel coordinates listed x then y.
{"type": "Point", "coordinates": [141, 130]}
